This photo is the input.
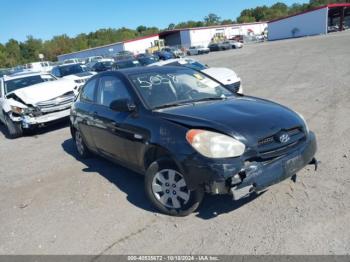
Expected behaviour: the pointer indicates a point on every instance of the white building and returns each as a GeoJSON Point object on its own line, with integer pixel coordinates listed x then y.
{"type": "Point", "coordinates": [138, 45]}
{"type": "Point", "coordinates": [321, 20]}
{"type": "Point", "coordinates": [204, 35]}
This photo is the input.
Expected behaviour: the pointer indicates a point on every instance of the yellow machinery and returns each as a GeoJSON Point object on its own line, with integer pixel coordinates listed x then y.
{"type": "Point", "coordinates": [157, 46]}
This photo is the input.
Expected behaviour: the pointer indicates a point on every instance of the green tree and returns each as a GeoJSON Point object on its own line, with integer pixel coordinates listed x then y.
{"type": "Point", "coordinates": [212, 19]}
{"type": "Point", "coordinates": [13, 53]}
{"type": "Point", "coordinates": [227, 22]}
{"type": "Point", "coordinates": [171, 26]}
{"type": "Point", "coordinates": [30, 49]}
{"type": "Point", "coordinates": [141, 28]}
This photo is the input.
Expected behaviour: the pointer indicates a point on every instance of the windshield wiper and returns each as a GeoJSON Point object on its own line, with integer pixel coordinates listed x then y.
{"type": "Point", "coordinates": [172, 105]}
{"type": "Point", "coordinates": [209, 99]}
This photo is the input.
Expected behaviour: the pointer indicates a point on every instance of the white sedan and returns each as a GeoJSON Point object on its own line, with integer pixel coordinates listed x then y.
{"type": "Point", "coordinates": [28, 100]}
{"type": "Point", "coordinates": [225, 76]}
{"type": "Point", "coordinates": [198, 50]}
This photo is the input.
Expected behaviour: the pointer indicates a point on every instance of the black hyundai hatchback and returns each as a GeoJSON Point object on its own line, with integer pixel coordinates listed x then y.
{"type": "Point", "coordinates": [188, 135]}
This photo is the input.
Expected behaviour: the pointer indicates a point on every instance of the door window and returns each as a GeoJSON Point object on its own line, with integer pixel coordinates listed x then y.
{"type": "Point", "coordinates": [88, 92]}
{"type": "Point", "coordinates": [111, 88]}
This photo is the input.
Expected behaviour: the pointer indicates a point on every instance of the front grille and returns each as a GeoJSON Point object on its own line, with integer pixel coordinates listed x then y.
{"type": "Point", "coordinates": [57, 104]}
{"type": "Point", "coordinates": [271, 147]}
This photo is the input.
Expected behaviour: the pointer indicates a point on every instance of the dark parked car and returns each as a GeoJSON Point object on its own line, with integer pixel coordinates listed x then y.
{"type": "Point", "coordinates": [147, 59]}
{"type": "Point", "coordinates": [123, 55]}
{"type": "Point", "coordinates": [164, 55]}
{"type": "Point", "coordinates": [177, 53]}
{"type": "Point", "coordinates": [188, 135]}
{"type": "Point", "coordinates": [126, 64]}
{"type": "Point", "coordinates": [220, 46]}
{"type": "Point", "coordinates": [102, 66]}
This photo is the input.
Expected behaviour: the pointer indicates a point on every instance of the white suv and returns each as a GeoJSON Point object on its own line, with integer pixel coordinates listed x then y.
{"type": "Point", "coordinates": [28, 100]}
{"type": "Point", "coordinates": [74, 72]}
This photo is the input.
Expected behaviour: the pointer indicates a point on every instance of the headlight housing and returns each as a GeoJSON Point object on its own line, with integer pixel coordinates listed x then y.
{"type": "Point", "coordinates": [20, 110]}
{"type": "Point", "coordinates": [214, 145]}
{"type": "Point", "coordinates": [17, 110]}
{"type": "Point", "coordinates": [305, 124]}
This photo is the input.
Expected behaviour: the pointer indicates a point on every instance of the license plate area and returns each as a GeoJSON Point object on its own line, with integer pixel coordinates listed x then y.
{"type": "Point", "coordinates": [293, 165]}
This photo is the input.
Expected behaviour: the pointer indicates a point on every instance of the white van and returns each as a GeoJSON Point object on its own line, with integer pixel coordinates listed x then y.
{"type": "Point", "coordinates": [44, 66]}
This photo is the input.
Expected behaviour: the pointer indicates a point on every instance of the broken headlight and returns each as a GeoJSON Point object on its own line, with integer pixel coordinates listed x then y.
{"type": "Point", "coordinates": [21, 111]}
{"type": "Point", "coordinates": [214, 145]}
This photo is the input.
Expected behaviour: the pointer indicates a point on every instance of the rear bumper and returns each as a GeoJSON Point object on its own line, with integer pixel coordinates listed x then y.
{"type": "Point", "coordinates": [236, 176]}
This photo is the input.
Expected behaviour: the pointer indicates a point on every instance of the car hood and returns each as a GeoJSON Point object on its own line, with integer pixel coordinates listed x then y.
{"type": "Point", "coordinates": [245, 118]}
{"type": "Point", "coordinates": [223, 75]}
{"type": "Point", "coordinates": [44, 91]}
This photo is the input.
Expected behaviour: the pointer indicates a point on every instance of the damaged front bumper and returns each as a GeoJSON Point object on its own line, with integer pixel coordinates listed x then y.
{"type": "Point", "coordinates": [242, 178]}
{"type": "Point", "coordinates": [28, 121]}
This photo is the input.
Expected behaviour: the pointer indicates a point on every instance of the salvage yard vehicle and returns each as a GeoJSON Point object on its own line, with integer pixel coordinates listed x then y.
{"type": "Point", "coordinates": [225, 76]}
{"type": "Point", "coordinates": [147, 59]}
{"type": "Point", "coordinates": [123, 55]}
{"type": "Point", "coordinates": [74, 72]}
{"type": "Point", "coordinates": [220, 46]}
{"type": "Point", "coordinates": [198, 50]}
{"type": "Point", "coordinates": [93, 59]}
{"type": "Point", "coordinates": [177, 53]}
{"type": "Point", "coordinates": [234, 44]}
{"type": "Point", "coordinates": [29, 100]}
{"type": "Point", "coordinates": [101, 66]}
{"type": "Point", "coordinates": [188, 135]}
{"type": "Point", "coordinates": [44, 66]}
{"type": "Point", "coordinates": [127, 63]}
{"type": "Point", "coordinates": [164, 55]}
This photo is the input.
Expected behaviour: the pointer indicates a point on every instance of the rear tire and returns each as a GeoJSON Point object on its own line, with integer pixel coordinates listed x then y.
{"type": "Point", "coordinates": [80, 145]}
{"type": "Point", "coordinates": [14, 130]}
{"type": "Point", "coordinates": [167, 190]}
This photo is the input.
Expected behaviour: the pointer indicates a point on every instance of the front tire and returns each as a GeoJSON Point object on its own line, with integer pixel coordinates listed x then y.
{"type": "Point", "coordinates": [167, 190]}
{"type": "Point", "coordinates": [14, 130]}
{"type": "Point", "coordinates": [80, 145]}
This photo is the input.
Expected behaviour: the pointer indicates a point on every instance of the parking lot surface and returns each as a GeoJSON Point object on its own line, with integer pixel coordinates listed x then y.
{"type": "Point", "coordinates": [53, 203]}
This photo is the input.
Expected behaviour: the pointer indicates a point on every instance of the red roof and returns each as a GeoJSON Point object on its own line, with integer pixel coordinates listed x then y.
{"type": "Point", "coordinates": [140, 38]}
{"type": "Point", "coordinates": [312, 10]}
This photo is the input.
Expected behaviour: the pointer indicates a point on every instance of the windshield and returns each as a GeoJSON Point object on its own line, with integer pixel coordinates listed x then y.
{"type": "Point", "coordinates": [172, 87]}
{"type": "Point", "coordinates": [18, 83]}
{"type": "Point", "coordinates": [71, 70]}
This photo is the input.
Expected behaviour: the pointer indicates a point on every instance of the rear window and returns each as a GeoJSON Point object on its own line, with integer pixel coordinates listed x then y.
{"type": "Point", "coordinates": [70, 70]}
{"type": "Point", "coordinates": [127, 64]}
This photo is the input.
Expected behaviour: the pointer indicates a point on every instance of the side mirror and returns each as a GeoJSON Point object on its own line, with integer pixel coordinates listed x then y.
{"type": "Point", "coordinates": [122, 105]}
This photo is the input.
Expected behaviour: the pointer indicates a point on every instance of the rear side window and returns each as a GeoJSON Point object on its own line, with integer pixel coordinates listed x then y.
{"type": "Point", "coordinates": [88, 93]}
{"type": "Point", "coordinates": [111, 88]}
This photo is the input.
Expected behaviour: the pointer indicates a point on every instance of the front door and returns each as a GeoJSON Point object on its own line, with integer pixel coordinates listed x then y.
{"type": "Point", "coordinates": [109, 130]}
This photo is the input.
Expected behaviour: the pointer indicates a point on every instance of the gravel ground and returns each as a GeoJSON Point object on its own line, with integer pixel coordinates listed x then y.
{"type": "Point", "coordinates": [52, 203]}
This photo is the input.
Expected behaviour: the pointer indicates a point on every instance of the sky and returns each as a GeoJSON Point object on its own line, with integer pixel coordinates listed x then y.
{"type": "Point", "coordinates": [45, 19]}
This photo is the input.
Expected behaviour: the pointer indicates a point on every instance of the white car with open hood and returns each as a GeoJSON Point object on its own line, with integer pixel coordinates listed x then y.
{"type": "Point", "coordinates": [29, 100]}
{"type": "Point", "coordinates": [225, 76]}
